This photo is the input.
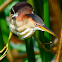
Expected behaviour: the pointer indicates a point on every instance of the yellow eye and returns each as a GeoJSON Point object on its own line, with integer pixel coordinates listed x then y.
{"type": "Point", "coordinates": [36, 24]}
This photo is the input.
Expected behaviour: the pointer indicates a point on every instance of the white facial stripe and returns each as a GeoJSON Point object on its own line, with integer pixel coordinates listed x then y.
{"type": "Point", "coordinates": [32, 12]}
{"type": "Point", "coordinates": [28, 34]}
{"type": "Point", "coordinates": [13, 10]}
{"type": "Point", "coordinates": [15, 15]}
{"type": "Point", "coordinates": [37, 28]}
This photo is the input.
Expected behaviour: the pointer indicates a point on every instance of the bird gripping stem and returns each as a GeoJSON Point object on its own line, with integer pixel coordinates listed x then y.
{"type": "Point", "coordinates": [6, 47]}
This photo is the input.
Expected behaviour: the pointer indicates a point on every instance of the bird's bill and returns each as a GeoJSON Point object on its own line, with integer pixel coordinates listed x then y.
{"type": "Point", "coordinates": [47, 30]}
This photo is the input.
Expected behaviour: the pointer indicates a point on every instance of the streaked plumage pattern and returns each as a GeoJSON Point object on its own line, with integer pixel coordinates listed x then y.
{"type": "Point", "coordinates": [22, 32]}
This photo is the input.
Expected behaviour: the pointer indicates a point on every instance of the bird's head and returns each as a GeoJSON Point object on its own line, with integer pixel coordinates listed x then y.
{"type": "Point", "coordinates": [20, 9]}
{"type": "Point", "coordinates": [36, 23]}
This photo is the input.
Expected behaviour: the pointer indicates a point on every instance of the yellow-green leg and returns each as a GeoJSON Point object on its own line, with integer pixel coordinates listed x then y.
{"type": "Point", "coordinates": [6, 47]}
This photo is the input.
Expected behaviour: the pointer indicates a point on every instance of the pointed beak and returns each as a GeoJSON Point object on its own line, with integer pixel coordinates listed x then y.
{"type": "Point", "coordinates": [44, 28]}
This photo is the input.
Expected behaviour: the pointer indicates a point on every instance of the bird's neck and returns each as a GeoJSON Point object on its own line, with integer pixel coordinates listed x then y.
{"type": "Point", "coordinates": [23, 31]}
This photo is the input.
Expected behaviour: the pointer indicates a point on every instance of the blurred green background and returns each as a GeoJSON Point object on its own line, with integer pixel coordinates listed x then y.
{"type": "Point", "coordinates": [30, 50]}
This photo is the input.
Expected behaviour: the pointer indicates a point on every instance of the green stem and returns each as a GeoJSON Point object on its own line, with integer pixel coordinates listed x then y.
{"type": "Point", "coordinates": [31, 2]}
{"type": "Point", "coordinates": [47, 38]}
{"type": "Point", "coordinates": [1, 38]}
{"type": "Point", "coordinates": [30, 50]}
{"type": "Point", "coordinates": [4, 30]}
{"type": "Point", "coordinates": [1, 44]}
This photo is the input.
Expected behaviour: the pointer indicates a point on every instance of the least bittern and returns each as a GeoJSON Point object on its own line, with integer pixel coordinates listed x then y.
{"type": "Point", "coordinates": [24, 22]}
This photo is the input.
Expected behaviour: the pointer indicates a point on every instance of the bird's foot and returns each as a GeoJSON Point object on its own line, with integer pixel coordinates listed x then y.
{"type": "Point", "coordinates": [5, 49]}
{"type": "Point", "coordinates": [47, 43]}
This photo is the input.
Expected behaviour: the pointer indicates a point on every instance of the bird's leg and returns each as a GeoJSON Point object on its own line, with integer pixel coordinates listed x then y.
{"type": "Point", "coordinates": [6, 47]}
{"type": "Point", "coordinates": [3, 49]}
{"type": "Point", "coordinates": [43, 46]}
{"type": "Point", "coordinates": [47, 43]}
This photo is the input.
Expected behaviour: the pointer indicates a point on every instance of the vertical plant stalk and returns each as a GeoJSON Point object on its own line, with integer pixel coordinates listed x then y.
{"type": "Point", "coordinates": [30, 50]}
{"type": "Point", "coordinates": [1, 42]}
{"type": "Point", "coordinates": [4, 30]}
{"type": "Point", "coordinates": [1, 38]}
{"type": "Point", "coordinates": [31, 2]}
{"type": "Point", "coordinates": [46, 21]}
{"type": "Point", "coordinates": [4, 34]}
{"type": "Point", "coordinates": [58, 15]}
{"type": "Point", "coordinates": [58, 54]}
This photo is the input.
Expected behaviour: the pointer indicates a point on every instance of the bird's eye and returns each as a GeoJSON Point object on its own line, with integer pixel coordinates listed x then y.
{"type": "Point", "coordinates": [12, 17]}
{"type": "Point", "coordinates": [36, 24]}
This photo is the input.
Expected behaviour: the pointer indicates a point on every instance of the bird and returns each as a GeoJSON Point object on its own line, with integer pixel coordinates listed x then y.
{"type": "Point", "coordinates": [24, 22]}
